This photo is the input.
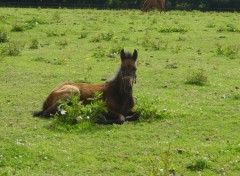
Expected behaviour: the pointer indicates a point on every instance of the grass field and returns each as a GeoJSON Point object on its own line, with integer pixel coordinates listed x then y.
{"type": "Point", "coordinates": [188, 67]}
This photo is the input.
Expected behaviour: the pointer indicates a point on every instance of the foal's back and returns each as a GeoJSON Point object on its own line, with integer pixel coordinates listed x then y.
{"type": "Point", "coordinates": [84, 90]}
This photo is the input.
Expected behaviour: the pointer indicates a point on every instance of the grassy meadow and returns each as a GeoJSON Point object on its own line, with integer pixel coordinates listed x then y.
{"type": "Point", "coordinates": [188, 69]}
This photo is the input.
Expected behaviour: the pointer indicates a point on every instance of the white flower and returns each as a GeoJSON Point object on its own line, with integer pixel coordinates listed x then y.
{"type": "Point", "coordinates": [79, 118]}
{"type": "Point", "coordinates": [63, 112]}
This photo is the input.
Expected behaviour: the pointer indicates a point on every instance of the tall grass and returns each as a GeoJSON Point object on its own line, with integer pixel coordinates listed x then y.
{"type": "Point", "coordinates": [17, 27]}
{"type": "Point", "coordinates": [34, 44]}
{"type": "Point", "coordinates": [4, 36]}
{"type": "Point", "coordinates": [173, 29]}
{"type": "Point", "coordinates": [148, 109]}
{"type": "Point", "coordinates": [162, 165]}
{"type": "Point", "coordinates": [197, 77]}
{"type": "Point", "coordinates": [228, 51]}
{"type": "Point", "coordinates": [14, 48]}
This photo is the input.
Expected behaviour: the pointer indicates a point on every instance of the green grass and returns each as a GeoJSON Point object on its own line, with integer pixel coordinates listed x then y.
{"type": "Point", "coordinates": [197, 129]}
{"type": "Point", "coordinates": [3, 36]}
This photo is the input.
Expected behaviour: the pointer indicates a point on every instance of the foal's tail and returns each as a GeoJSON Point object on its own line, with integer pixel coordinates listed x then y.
{"type": "Point", "coordinates": [40, 113]}
{"type": "Point", "coordinates": [37, 113]}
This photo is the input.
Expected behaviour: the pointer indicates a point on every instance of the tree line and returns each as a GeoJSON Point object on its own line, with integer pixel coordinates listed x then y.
{"type": "Point", "coordinates": [216, 5]}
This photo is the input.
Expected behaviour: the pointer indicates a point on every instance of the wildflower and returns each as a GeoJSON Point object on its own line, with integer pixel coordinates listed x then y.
{"type": "Point", "coordinates": [79, 118]}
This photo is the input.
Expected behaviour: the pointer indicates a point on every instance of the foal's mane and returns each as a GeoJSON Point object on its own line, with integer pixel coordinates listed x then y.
{"type": "Point", "coordinates": [115, 78]}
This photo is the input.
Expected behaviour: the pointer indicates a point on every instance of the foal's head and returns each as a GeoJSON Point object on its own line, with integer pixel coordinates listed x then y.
{"type": "Point", "coordinates": [128, 71]}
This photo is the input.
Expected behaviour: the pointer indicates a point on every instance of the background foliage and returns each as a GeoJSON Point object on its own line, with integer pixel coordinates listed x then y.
{"type": "Point", "coordinates": [216, 5]}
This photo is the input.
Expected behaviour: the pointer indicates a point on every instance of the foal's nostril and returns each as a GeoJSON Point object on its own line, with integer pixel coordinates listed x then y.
{"type": "Point", "coordinates": [129, 89]}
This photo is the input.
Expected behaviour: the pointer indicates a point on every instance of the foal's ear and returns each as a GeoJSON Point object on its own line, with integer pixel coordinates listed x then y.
{"type": "Point", "coordinates": [122, 54]}
{"type": "Point", "coordinates": [135, 55]}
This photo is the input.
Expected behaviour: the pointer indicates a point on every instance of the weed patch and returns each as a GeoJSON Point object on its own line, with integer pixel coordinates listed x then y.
{"type": "Point", "coordinates": [34, 44]}
{"type": "Point", "coordinates": [199, 164]}
{"type": "Point", "coordinates": [13, 48]}
{"type": "Point", "coordinates": [30, 24]}
{"type": "Point", "coordinates": [162, 166]}
{"type": "Point", "coordinates": [197, 77]}
{"type": "Point", "coordinates": [107, 36]}
{"type": "Point", "coordinates": [18, 28]}
{"type": "Point", "coordinates": [235, 95]}
{"type": "Point", "coordinates": [99, 52]}
{"type": "Point", "coordinates": [148, 109]}
{"type": "Point", "coordinates": [228, 51]}
{"type": "Point", "coordinates": [83, 35]}
{"type": "Point", "coordinates": [52, 33]}
{"type": "Point", "coordinates": [114, 52]}
{"type": "Point", "coordinates": [211, 25]}
{"type": "Point", "coordinates": [98, 37]}
{"type": "Point", "coordinates": [149, 41]}
{"type": "Point", "coordinates": [173, 29]}
{"type": "Point", "coordinates": [1, 57]}
{"type": "Point", "coordinates": [56, 17]}
{"type": "Point", "coordinates": [39, 59]}
{"type": "Point", "coordinates": [63, 42]}
{"type": "Point", "coordinates": [55, 61]}
{"type": "Point", "coordinates": [176, 49]}
{"type": "Point", "coordinates": [181, 39]}
{"type": "Point", "coordinates": [229, 28]}
{"type": "Point", "coordinates": [58, 61]}
{"type": "Point", "coordinates": [72, 114]}
{"type": "Point", "coordinates": [4, 37]}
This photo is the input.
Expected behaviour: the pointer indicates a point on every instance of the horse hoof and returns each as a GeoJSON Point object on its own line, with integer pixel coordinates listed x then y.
{"type": "Point", "coordinates": [121, 120]}
{"type": "Point", "coordinates": [133, 117]}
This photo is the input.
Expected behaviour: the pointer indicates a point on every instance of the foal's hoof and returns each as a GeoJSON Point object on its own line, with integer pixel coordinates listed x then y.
{"type": "Point", "coordinates": [132, 117]}
{"type": "Point", "coordinates": [120, 120]}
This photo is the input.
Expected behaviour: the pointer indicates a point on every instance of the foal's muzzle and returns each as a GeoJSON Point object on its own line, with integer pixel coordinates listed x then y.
{"type": "Point", "coordinates": [128, 89]}
{"type": "Point", "coordinates": [128, 84]}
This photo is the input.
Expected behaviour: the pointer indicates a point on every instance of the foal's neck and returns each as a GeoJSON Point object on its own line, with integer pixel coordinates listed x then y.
{"type": "Point", "coordinates": [116, 82]}
{"type": "Point", "coordinates": [115, 85]}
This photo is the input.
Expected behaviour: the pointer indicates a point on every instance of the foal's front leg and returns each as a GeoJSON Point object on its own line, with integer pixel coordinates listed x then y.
{"type": "Point", "coordinates": [112, 118]}
{"type": "Point", "coordinates": [132, 116]}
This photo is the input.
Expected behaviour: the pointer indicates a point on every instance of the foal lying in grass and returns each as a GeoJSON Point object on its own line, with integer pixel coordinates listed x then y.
{"type": "Point", "coordinates": [117, 93]}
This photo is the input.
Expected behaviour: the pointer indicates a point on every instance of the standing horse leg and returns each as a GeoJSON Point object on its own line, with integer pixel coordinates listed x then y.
{"type": "Point", "coordinates": [161, 7]}
{"type": "Point", "coordinates": [149, 8]}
